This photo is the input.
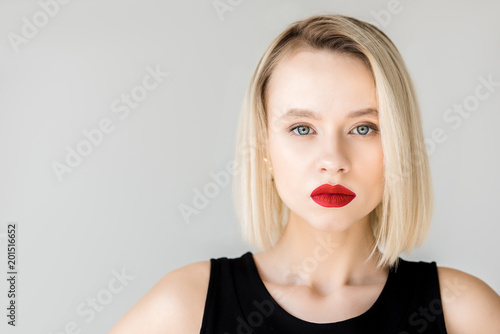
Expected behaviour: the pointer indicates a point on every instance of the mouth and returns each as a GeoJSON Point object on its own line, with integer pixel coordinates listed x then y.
{"type": "Point", "coordinates": [329, 196]}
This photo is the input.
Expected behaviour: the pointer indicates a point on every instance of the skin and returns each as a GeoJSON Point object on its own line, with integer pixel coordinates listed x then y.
{"type": "Point", "coordinates": [333, 149]}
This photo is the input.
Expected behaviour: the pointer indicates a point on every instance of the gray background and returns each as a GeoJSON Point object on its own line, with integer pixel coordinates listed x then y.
{"type": "Point", "coordinates": [120, 208]}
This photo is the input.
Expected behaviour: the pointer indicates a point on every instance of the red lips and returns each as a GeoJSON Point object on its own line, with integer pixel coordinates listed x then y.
{"type": "Point", "coordinates": [332, 196]}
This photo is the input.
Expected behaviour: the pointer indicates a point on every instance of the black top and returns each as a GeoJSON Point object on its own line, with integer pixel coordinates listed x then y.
{"type": "Point", "coordinates": [238, 302]}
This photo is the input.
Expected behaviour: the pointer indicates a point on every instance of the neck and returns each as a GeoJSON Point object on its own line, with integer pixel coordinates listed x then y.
{"type": "Point", "coordinates": [326, 260]}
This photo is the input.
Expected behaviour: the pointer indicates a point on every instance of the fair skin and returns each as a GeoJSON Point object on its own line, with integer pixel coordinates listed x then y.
{"type": "Point", "coordinates": [331, 149]}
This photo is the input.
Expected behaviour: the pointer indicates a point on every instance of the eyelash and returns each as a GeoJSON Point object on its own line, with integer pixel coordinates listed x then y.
{"type": "Point", "coordinates": [369, 125]}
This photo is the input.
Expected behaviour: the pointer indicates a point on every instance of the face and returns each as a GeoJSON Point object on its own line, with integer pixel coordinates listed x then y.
{"type": "Point", "coordinates": [314, 139]}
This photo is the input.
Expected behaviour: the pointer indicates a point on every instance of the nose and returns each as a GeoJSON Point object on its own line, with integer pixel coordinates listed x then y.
{"type": "Point", "coordinates": [333, 157]}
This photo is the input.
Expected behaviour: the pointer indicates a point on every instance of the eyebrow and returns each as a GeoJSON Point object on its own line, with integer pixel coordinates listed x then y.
{"type": "Point", "coordinates": [298, 112]}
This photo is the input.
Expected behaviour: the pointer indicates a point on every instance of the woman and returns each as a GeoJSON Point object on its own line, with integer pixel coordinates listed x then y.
{"type": "Point", "coordinates": [332, 185]}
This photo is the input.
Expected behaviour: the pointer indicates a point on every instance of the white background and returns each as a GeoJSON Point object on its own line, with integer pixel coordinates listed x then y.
{"type": "Point", "coordinates": [119, 209]}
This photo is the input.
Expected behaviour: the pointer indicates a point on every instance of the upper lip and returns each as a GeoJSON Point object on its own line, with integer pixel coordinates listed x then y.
{"type": "Point", "coordinates": [329, 189]}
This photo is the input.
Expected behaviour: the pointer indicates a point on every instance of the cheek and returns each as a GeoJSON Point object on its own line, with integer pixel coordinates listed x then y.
{"type": "Point", "coordinates": [280, 150]}
{"type": "Point", "coordinates": [285, 160]}
{"type": "Point", "coordinates": [289, 165]}
{"type": "Point", "coordinates": [371, 162]}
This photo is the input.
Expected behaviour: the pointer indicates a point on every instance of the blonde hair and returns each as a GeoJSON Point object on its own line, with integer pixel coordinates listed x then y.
{"type": "Point", "coordinates": [402, 219]}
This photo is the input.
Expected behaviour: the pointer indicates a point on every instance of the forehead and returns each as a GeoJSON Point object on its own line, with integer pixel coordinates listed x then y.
{"type": "Point", "coordinates": [320, 80]}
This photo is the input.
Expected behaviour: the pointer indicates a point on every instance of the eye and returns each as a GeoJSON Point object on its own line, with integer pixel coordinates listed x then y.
{"type": "Point", "coordinates": [302, 129]}
{"type": "Point", "coordinates": [364, 129]}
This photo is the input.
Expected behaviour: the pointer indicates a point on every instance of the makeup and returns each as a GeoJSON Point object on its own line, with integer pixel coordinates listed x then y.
{"type": "Point", "coordinates": [330, 196]}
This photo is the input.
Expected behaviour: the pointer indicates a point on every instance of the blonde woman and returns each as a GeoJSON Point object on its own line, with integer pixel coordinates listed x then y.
{"type": "Point", "coordinates": [332, 184]}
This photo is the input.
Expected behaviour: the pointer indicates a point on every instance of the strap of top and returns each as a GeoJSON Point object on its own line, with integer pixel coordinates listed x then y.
{"type": "Point", "coordinates": [418, 289]}
{"type": "Point", "coordinates": [221, 306]}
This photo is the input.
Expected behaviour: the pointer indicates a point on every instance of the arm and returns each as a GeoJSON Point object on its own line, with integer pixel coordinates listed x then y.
{"type": "Point", "coordinates": [174, 305]}
{"type": "Point", "coordinates": [469, 304]}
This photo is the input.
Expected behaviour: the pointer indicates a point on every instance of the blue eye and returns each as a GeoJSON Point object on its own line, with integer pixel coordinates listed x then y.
{"type": "Point", "coordinates": [366, 128]}
{"type": "Point", "coordinates": [301, 129]}
{"type": "Point", "coordinates": [362, 130]}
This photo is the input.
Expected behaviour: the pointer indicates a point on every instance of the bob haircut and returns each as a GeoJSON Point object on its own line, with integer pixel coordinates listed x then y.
{"type": "Point", "coordinates": [401, 221]}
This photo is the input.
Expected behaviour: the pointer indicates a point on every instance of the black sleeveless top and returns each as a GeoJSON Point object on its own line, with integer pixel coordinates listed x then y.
{"type": "Point", "coordinates": [238, 302]}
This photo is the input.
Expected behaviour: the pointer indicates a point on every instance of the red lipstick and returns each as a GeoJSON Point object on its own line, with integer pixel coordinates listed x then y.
{"type": "Point", "coordinates": [332, 196]}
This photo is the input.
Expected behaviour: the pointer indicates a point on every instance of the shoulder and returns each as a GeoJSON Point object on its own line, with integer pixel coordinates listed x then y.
{"type": "Point", "coordinates": [176, 303]}
{"type": "Point", "coordinates": [469, 304]}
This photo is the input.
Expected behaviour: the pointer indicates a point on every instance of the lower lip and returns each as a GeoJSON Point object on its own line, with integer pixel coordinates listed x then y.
{"type": "Point", "coordinates": [332, 200]}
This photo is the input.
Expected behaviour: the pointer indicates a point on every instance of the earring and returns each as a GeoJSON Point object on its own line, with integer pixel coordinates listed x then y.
{"type": "Point", "coordinates": [269, 164]}
{"type": "Point", "coordinates": [270, 169]}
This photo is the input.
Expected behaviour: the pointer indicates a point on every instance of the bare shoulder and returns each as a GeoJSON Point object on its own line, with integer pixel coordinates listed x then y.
{"type": "Point", "coordinates": [174, 305]}
{"type": "Point", "coordinates": [469, 304]}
